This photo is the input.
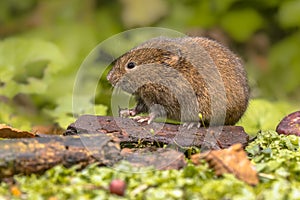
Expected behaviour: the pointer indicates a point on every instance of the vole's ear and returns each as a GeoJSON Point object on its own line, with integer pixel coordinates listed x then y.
{"type": "Point", "coordinates": [173, 55]}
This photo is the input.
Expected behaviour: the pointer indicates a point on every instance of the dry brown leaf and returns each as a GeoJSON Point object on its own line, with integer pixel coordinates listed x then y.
{"type": "Point", "coordinates": [9, 132]}
{"type": "Point", "coordinates": [48, 129]}
{"type": "Point", "coordinates": [233, 160]}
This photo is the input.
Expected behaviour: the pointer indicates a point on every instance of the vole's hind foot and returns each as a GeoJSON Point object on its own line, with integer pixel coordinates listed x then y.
{"type": "Point", "coordinates": [126, 113]}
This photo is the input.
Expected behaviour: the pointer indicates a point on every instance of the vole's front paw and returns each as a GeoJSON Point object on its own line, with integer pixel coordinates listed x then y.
{"type": "Point", "coordinates": [149, 119]}
{"type": "Point", "coordinates": [127, 113]}
{"type": "Point", "coordinates": [142, 119]}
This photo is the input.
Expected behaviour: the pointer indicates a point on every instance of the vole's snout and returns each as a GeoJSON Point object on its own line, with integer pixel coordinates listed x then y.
{"type": "Point", "coordinates": [109, 76]}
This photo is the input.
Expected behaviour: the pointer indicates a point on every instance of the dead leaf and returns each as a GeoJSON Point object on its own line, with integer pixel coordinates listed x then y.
{"type": "Point", "coordinates": [9, 132]}
{"type": "Point", "coordinates": [48, 129]}
{"type": "Point", "coordinates": [233, 160]}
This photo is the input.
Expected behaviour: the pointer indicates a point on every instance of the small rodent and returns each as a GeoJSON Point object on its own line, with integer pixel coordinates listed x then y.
{"type": "Point", "coordinates": [182, 79]}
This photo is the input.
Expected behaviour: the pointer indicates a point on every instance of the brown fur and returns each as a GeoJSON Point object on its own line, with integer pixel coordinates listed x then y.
{"type": "Point", "coordinates": [186, 76]}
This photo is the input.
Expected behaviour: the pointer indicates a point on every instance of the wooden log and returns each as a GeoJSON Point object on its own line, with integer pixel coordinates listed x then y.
{"type": "Point", "coordinates": [98, 139]}
{"type": "Point", "coordinates": [129, 131]}
{"type": "Point", "coordinates": [35, 155]}
{"type": "Point", "coordinates": [159, 158]}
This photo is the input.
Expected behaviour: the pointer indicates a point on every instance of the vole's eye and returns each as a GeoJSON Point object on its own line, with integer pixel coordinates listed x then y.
{"type": "Point", "coordinates": [130, 65]}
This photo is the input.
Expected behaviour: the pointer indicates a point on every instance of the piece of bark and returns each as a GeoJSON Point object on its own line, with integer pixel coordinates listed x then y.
{"type": "Point", "coordinates": [35, 155]}
{"type": "Point", "coordinates": [158, 134]}
{"type": "Point", "coordinates": [233, 160]}
{"type": "Point", "coordinates": [9, 132]}
{"type": "Point", "coordinates": [159, 158]}
{"type": "Point", "coordinates": [290, 124]}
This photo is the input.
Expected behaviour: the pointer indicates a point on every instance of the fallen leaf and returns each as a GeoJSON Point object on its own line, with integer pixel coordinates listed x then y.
{"type": "Point", "coordinates": [233, 160]}
{"type": "Point", "coordinates": [9, 132]}
{"type": "Point", "coordinates": [48, 129]}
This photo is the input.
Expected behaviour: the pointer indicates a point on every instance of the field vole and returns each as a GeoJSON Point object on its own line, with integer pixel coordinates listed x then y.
{"type": "Point", "coordinates": [182, 79]}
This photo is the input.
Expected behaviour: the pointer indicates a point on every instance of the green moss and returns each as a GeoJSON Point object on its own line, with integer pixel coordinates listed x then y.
{"type": "Point", "coordinates": [276, 158]}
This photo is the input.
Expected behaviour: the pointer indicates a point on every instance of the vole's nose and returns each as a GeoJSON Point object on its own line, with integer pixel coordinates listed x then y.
{"type": "Point", "coordinates": [109, 75]}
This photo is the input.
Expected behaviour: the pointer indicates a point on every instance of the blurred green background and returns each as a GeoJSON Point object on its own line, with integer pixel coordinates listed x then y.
{"type": "Point", "coordinates": [43, 44]}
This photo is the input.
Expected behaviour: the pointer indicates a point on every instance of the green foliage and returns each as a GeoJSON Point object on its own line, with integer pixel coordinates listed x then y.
{"type": "Point", "coordinates": [46, 42]}
{"type": "Point", "coordinates": [36, 69]}
{"type": "Point", "coordinates": [140, 12]}
{"type": "Point", "coordinates": [23, 65]}
{"type": "Point", "coordinates": [289, 15]}
{"type": "Point", "coordinates": [264, 115]}
{"type": "Point", "coordinates": [276, 158]}
{"type": "Point", "coordinates": [26, 70]}
{"type": "Point", "coordinates": [38, 66]}
{"type": "Point", "coordinates": [144, 183]}
{"type": "Point", "coordinates": [242, 24]}
{"type": "Point", "coordinates": [19, 7]}
{"type": "Point", "coordinates": [271, 152]}
{"type": "Point", "coordinates": [285, 61]}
